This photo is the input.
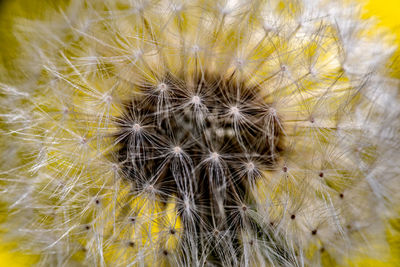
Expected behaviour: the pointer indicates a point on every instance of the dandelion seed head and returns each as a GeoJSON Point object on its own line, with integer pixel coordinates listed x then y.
{"type": "Point", "coordinates": [192, 133]}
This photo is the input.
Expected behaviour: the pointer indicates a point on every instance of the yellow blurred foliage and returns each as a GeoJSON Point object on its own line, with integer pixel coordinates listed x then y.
{"type": "Point", "coordinates": [387, 12]}
{"type": "Point", "coordinates": [8, 258]}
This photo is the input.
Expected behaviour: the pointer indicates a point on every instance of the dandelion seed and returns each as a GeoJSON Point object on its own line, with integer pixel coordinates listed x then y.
{"type": "Point", "coordinates": [314, 232]}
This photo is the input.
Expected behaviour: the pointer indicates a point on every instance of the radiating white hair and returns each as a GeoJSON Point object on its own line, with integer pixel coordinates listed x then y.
{"type": "Point", "coordinates": [93, 172]}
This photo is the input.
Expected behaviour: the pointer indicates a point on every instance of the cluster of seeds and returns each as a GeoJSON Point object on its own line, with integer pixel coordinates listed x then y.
{"type": "Point", "coordinates": [204, 141]}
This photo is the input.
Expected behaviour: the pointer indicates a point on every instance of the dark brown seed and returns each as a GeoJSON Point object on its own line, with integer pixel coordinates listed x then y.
{"type": "Point", "coordinates": [314, 232]}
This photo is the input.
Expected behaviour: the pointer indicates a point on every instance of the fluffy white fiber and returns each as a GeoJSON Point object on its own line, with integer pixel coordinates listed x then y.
{"type": "Point", "coordinates": [200, 133]}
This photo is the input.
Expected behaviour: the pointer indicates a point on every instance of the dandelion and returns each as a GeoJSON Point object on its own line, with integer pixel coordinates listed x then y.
{"type": "Point", "coordinates": [200, 133]}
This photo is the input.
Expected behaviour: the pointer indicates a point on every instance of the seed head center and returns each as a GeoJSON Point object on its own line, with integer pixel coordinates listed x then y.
{"type": "Point", "coordinates": [196, 100]}
{"type": "Point", "coordinates": [136, 127]}
{"type": "Point", "coordinates": [214, 156]}
{"type": "Point", "coordinates": [177, 150]}
{"type": "Point", "coordinates": [206, 141]}
{"type": "Point", "coordinates": [162, 87]}
{"type": "Point", "coordinates": [250, 166]}
{"type": "Point", "coordinates": [234, 111]}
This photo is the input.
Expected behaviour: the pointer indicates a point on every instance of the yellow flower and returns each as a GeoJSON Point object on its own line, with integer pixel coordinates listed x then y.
{"type": "Point", "coordinates": [192, 133]}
